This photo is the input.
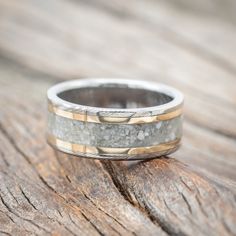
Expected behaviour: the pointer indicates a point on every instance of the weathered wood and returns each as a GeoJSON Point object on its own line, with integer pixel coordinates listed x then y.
{"type": "Point", "coordinates": [44, 192]}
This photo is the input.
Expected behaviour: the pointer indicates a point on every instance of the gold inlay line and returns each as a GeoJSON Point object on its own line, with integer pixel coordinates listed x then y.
{"type": "Point", "coordinates": [78, 148]}
{"type": "Point", "coordinates": [118, 120]}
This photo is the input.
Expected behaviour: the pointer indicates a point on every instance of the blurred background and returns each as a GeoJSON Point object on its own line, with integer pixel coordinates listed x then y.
{"type": "Point", "coordinates": [178, 40]}
{"type": "Point", "coordinates": [187, 44]}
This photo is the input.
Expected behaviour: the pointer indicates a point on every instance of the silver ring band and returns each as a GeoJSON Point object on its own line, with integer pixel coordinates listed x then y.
{"type": "Point", "coordinates": [115, 119]}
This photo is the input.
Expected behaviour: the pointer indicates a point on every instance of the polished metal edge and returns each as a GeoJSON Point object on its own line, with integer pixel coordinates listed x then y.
{"type": "Point", "coordinates": [77, 149]}
{"type": "Point", "coordinates": [117, 120]}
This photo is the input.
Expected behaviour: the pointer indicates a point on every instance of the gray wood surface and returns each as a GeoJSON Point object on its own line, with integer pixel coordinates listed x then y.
{"type": "Point", "coordinates": [186, 44]}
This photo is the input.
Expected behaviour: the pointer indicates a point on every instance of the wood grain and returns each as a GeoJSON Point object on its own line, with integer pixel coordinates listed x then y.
{"type": "Point", "coordinates": [187, 45]}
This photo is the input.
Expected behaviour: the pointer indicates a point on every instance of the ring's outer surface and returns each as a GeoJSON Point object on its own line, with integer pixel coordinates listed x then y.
{"type": "Point", "coordinates": [115, 119]}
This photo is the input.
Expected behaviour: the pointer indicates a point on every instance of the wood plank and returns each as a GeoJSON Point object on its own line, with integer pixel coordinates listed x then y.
{"type": "Point", "coordinates": [49, 193]}
{"type": "Point", "coordinates": [36, 185]}
{"type": "Point", "coordinates": [125, 55]}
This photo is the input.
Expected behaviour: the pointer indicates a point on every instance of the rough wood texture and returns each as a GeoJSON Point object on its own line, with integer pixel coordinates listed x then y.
{"type": "Point", "coordinates": [187, 44]}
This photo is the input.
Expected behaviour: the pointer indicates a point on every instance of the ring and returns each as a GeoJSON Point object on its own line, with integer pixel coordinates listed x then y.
{"type": "Point", "coordinates": [116, 119]}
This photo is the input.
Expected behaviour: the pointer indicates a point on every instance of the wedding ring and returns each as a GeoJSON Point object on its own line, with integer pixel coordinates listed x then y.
{"type": "Point", "coordinates": [116, 119]}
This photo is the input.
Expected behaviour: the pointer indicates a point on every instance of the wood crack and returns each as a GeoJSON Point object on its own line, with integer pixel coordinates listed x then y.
{"type": "Point", "coordinates": [27, 198]}
{"type": "Point", "coordinates": [11, 140]}
{"type": "Point", "coordinates": [10, 218]}
{"type": "Point", "coordinates": [108, 168]}
{"type": "Point", "coordinates": [143, 207]}
{"type": "Point", "coordinates": [90, 200]}
{"type": "Point", "coordinates": [93, 225]}
{"type": "Point", "coordinates": [4, 233]}
{"type": "Point", "coordinates": [19, 216]}
{"type": "Point", "coordinates": [4, 159]}
{"type": "Point", "coordinates": [40, 177]}
{"type": "Point", "coordinates": [87, 197]}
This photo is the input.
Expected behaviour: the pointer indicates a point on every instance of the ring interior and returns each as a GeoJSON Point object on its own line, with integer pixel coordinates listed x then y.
{"type": "Point", "coordinates": [109, 96]}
